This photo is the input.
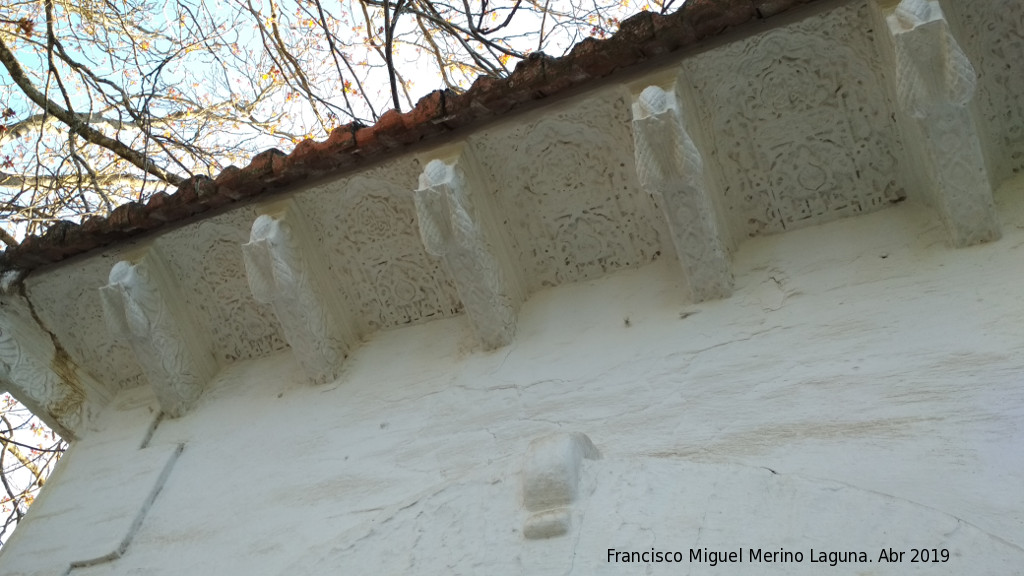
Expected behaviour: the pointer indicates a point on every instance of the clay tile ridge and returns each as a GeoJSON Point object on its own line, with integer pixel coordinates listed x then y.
{"type": "Point", "coordinates": [640, 38]}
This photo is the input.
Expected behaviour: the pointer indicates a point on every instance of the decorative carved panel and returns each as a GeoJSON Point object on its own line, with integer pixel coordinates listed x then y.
{"type": "Point", "coordinates": [208, 256]}
{"type": "Point", "coordinates": [567, 189]}
{"type": "Point", "coordinates": [991, 32]}
{"type": "Point", "coordinates": [367, 227]}
{"type": "Point", "coordinates": [799, 126]}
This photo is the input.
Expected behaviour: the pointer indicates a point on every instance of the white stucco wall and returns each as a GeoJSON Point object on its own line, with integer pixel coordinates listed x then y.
{"type": "Point", "coordinates": [857, 385]}
{"type": "Point", "coordinates": [863, 389]}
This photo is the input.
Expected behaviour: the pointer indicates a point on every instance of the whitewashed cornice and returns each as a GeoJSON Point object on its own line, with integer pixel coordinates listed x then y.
{"type": "Point", "coordinates": [842, 111]}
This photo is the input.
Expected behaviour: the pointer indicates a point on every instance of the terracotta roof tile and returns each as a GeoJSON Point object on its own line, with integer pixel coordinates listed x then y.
{"type": "Point", "coordinates": [639, 39]}
{"type": "Point", "coordinates": [767, 8]}
{"type": "Point", "coordinates": [711, 17]}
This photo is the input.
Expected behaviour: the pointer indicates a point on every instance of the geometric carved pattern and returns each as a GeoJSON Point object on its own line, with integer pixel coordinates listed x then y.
{"type": "Point", "coordinates": [797, 130]}
{"type": "Point", "coordinates": [460, 231]}
{"type": "Point", "coordinates": [992, 34]}
{"type": "Point", "coordinates": [212, 278]}
{"type": "Point", "coordinates": [551, 477]}
{"type": "Point", "coordinates": [143, 306]}
{"type": "Point", "coordinates": [41, 375]}
{"type": "Point", "coordinates": [566, 187]}
{"type": "Point", "coordinates": [284, 270]}
{"type": "Point", "coordinates": [671, 168]}
{"type": "Point", "coordinates": [793, 126]}
{"type": "Point", "coordinates": [367, 227]}
{"type": "Point", "coordinates": [934, 83]}
{"type": "Point", "coordinates": [931, 69]}
{"type": "Point", "coordinates": [73, 313]}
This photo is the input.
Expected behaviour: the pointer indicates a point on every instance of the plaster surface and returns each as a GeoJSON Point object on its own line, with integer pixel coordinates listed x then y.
{"type": "Point", "coordinates": [788, 126]}
{"type": "Point", "coordinates": [861, 390]}
{"type": "Point", "coordinates": [576, 330]}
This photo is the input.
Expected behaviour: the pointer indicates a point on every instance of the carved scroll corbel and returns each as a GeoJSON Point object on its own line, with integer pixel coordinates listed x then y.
{"type": "Point", "coordinates": [932, 71]}
{"type": "Point", "coordinates": [461, 233]}
{"type": "Point", "coordinates": [670, 168]}
{"type": "Point", "coordinates": [284, 271]}
{"type": "Point", "coordinates": [39, 372]}
{"type": "Point", "coordinates": [935, 82]}
{"type": "Point", "coordinates": [143, 306]}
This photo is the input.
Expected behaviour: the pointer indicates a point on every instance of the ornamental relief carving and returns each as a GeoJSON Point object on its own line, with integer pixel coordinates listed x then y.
{"type": "Point", "coordinates": [991, 32]}
{"type": "Point", "coordinates": [568, 192]}
{"type": "Point", "coordinates": [214, 284]}
{"type": "Point", "coordinates": [464, 237]}
{"type": "Point", "coordinates": [143, 306]}
{"type": "Point", "coordinates": [671, 169]}
{"type": "Point", "coordinates": [285, 270]}
{"type": "Point", "coordinates": [799, 123]}
{"type": "Point", "coordinates": [932, 72]}
{"type": "Point", "coordinates": [28, 360]}
{"type": "Point", "coordinates": [934, 84]}
{"type": "Point", "coordinates": [75, 315]}
{"type": "Point", "coordinates": [370, 240]}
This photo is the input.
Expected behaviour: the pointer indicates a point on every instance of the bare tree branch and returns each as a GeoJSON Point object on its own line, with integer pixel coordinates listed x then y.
{"type": "Point", "coordinates": [70, 119]}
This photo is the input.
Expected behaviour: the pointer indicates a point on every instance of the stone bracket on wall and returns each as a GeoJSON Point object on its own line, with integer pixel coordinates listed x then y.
{"type": "Point", "coordinates": [144, 307]}
{"type": "Point", "coordinates": [286, 270]}
{"type": "Point", "coordinates": [457, 225]}
{"type": "Point", "coordinates": [935, 84]}
{"type": "Point", "coordinates": [670, 167]}
{"type": "Point", "coordinates": [551, 478]}
{"type": "Point", "coordinates": [37, 371]}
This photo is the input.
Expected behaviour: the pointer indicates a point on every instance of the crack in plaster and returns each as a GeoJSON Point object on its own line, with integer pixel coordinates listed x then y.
{"type": "Point", "coordinates": [63, 366]}
{"type": "Point", "coordinates": [152, 430]}
{"type": "Point", "coordinates": [835, 485]}
{"type": "Point", "coordinates": [139, 517]}
{"type": "Point", "coordinates": [747, 338]}
{"type": "Point", "coordinates": [847, 485]}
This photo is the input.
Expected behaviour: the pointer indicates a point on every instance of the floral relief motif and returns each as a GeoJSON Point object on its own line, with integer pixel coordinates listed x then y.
{"type": "Point", "coordinates": [567, 186]}
{"type": "Point", "coordinates": [214, 284]}
{"type": "Point", "coordinates": [367, 225]}
{"type": "Point", "coordinates": [991, 32]}
{"type": "Point", "coordinates": [378, 217]}
{"type": "Point", "coordinates": [26, 354]}
{"type": "Point", "coordinates": [773, 106]}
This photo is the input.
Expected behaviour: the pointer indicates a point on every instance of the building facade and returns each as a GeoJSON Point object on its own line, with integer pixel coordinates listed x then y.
{"type": "Point", "coordinates": [736, 290]}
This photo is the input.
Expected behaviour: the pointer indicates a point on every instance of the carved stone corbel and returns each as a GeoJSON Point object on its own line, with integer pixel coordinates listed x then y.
{"type": "Point", "coordinates": [551, 478]}
{"type": "Point", "coordinates": [284, 270]}
{"type": "Point", "coordinates": [935, 83]}
{"type": "Point", "coordinates": [670, 168]}
{"type": "Point", "coordinates": [460, 230]}
{"type": "Point", "coordinates": [932, 72]}
{"type": "Point", "coordinates": [37, 371]}
{"type": "Point", "coordinates": [143, 306]}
